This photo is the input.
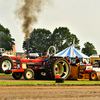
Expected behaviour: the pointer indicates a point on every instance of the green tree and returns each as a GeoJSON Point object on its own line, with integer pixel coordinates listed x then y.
{"type": "Point", "coordinates": [38, 41]}
{"type": "Point", "coordinates": [63, 38]}
{"type": "Point", "coordinates": [89, 49]}
{"type": "Point", "coordinates": [6, 41]}
{"type": "Point", "coordinates": [41, 39]}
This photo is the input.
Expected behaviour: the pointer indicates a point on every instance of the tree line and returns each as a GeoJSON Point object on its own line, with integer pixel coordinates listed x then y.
{"type": "Point", "coordinates": [6, 40]}
{"type": "Point", "coordinates": [41, 39]}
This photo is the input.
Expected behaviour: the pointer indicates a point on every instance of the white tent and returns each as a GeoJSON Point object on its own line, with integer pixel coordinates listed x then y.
{"type": "Point", "coordinates": [71, 52]}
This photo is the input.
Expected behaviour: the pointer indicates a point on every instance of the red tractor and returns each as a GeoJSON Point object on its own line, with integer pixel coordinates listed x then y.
{"type": "Point", "coordinates": [32, 68]}
{"type": "Point", "coordinates": [7, 62]}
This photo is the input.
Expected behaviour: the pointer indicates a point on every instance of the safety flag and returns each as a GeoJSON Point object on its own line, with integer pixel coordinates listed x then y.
{"type": "Point", "coordinates": [14, 49]}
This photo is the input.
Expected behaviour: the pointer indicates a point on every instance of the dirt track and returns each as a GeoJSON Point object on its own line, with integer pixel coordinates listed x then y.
{"type": "Point", "coordinates": [48, 92]}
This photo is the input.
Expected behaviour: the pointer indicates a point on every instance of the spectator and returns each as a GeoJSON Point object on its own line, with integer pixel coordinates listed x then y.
{"type": "Point", "coordinates": [77, 62]}
{"type": "Point", "coordinates": [67, 58]}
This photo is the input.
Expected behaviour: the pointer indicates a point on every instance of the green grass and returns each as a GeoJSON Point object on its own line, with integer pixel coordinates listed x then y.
{"type": "Point", "coordinates": [44, 82]}
{"type": "Point", "coordinates": [50, 83]}
{"type": "Point", "coordinates": [5, 74]}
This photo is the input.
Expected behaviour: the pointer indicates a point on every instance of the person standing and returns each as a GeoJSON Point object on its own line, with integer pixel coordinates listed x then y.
{"type": "Point", "coordinates": [67, 58]}
{"type": "Point", "coordinates": [77, 62]}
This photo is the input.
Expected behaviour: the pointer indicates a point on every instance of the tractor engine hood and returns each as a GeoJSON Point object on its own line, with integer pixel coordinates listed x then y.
{"type": "Point", "coordinates": [37, 61]}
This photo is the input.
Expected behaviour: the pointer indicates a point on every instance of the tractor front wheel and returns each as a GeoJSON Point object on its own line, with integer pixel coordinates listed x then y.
{"type": "Point", "coordinates": [28, 74]}
{"type": "Point", "coordinates": [93, 76]}
{"type": "Point", "coordinates": [6, 63]}
{"type": "Point", "coordinates": [17, 75]}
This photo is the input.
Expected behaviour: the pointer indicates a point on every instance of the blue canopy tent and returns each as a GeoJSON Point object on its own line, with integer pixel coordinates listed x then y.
{"type": "Point", "coordinates": [71, 52]}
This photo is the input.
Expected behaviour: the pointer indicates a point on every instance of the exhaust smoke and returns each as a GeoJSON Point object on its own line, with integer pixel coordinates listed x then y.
{"type": "Point", "coordinates": [27, 12]}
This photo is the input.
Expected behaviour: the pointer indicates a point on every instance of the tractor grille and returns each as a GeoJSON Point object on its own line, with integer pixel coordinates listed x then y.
{"type": "Point", "coordinates": [18, 61]}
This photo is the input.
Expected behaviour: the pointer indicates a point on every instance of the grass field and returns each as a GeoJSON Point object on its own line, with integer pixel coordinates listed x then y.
{"type": "Point", "coordinates": [50, 83]}
{"type": "Point", "coordinates": [4, 74]}
{"type": "Point", "coordinates": [46, 82]}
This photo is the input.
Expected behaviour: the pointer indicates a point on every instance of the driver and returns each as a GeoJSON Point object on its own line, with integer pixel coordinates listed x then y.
{"type": "Point", "coordinates": [47, 56]}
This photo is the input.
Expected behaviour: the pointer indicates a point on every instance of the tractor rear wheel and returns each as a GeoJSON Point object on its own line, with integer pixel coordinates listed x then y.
{"type": "Point", "coordinates": [28, 74]}
{"type": "Point", "coordinates": [17, 75]}
{"type": "Point", "coordinates": [93, 76]}
{"type": "Point", "coordinates": [57, 66]}
{"type": "Point", "coordinates": [6, 63]}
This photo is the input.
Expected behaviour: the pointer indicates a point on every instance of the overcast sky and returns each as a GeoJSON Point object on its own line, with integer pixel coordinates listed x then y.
{"type": "Point", "coordinates": [82, 17]}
